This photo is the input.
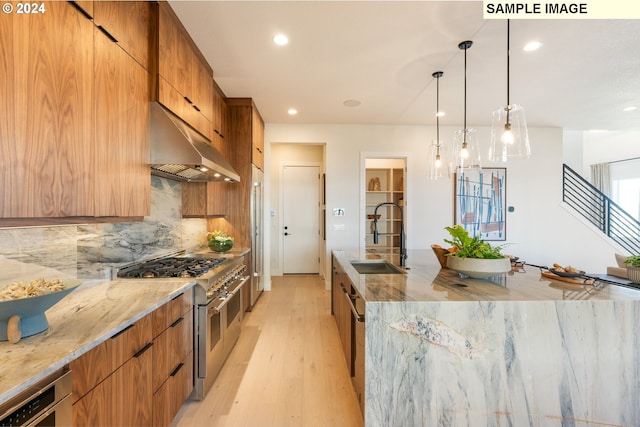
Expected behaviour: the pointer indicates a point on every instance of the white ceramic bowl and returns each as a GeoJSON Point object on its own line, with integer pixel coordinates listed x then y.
{"type": "Point", "coordinates": [479, 268]}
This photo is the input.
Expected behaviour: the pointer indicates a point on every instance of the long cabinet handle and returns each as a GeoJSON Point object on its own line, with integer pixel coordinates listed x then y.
{"type": "Point", "coordinates": [122, 331]}
{"type": "Point", "coordinates": [359, 317]}
{"type": "Point", "coordinates": [143, 349]}
{"type": "Point", "coordinates": [178, 320]}
{"type": "Point", "coordinates": [176, 370]}
{"type": "Point", "coordinates": [107, 33]}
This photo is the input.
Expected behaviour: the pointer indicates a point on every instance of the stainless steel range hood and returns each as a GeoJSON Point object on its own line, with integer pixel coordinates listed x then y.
{"type": "Point", "coordinates": [181, 153]}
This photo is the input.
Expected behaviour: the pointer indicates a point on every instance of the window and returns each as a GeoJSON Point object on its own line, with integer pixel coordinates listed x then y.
{"type": "Point", "coordinates": [625, 185]}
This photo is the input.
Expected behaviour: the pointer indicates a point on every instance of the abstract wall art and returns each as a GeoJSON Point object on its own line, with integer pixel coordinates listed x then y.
{"type": "Point", "coordinates": [480, 202]}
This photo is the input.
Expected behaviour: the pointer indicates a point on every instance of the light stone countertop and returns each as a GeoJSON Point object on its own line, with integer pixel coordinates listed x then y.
{"type": "Point", "coordinates": [86, 317]}
{"type": "Point", "coordinates": [426, 281]}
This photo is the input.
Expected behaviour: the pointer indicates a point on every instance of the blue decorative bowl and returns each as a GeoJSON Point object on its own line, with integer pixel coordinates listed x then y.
{"type": "Point", "coordinates": [31, 310]}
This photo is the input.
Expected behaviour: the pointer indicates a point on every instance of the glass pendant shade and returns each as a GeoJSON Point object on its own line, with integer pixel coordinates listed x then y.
{"type": "Point", "coordinates": [438, 161]}
{"type": "Point", "coordinates": [466, 151]}
{"type": "Point", "coordinates": [509, 135]}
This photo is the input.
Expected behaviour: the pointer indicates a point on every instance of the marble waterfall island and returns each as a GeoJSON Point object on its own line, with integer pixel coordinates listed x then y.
{"type": "Point", "coordinates": [518, 349]}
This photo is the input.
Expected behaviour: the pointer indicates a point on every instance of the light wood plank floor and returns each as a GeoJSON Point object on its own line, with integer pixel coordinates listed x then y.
{"type": "Point", "coordinates": [287, 368]}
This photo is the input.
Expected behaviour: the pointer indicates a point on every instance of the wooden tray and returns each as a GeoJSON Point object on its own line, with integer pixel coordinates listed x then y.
{"type": "Point", "coordinates": [572, 280]}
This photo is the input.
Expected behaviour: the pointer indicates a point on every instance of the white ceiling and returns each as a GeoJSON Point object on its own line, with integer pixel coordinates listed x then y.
{"type": "Point", "coordinates": [384, 53]}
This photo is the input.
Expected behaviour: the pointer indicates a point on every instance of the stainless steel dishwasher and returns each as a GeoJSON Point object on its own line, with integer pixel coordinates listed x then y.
{"type": "Point", "coordinates": [358, 347]}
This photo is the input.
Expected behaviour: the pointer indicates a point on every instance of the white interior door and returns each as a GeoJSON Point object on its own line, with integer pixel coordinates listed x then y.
{"type": "Point", "coordinates": [301, 219]}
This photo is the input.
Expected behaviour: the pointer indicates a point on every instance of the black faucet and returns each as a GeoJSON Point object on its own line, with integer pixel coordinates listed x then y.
{"type": "Point", "coordinates": [403, 250]}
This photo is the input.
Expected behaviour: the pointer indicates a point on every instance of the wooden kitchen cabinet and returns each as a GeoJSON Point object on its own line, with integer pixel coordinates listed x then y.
{"type": "Point", "coordinates": [340, 288]}
{"type": "Point", "coordinates": [257, 139]}
{"type": "Point", "coordinates": [220, 120]}
{"type": "Point", "coordinates": [128, 23]}
{"type": "Point", "coordinates": [75, 147]}
{"type": "Point", "coordinates": [108, 378]}
{"type": "Point", "coordinates": [204, 199]}
{"type": "Point", "coordinates": [141, 376]}
{"type": "Point", "coordinates": [46, 155]}
{"type": "Point", "coordinates": [122, 140]}
{"type": "Point", "coordinates": [172, 380]}
{"type": "Point", "coordinates": [182, 80]}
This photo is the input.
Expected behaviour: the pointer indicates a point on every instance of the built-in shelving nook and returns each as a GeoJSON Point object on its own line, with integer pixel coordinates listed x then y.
{"type": "Point", "coordinates": [384, 182]}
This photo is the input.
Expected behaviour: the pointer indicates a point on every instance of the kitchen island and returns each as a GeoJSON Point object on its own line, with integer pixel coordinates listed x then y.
{"type": "Point", "coordinates": [517, 349]}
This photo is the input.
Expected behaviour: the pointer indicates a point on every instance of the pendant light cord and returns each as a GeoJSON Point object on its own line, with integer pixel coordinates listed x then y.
{"type": "Point", "coordinates": [508, 73]}
{"type": "Point", "coordinates": [438, 110]}
{"type": "Point", "coordinates": [465, 45]}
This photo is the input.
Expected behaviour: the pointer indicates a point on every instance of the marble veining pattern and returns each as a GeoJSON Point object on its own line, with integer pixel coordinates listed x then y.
{"type": "Point", "coordinates": [540, 363]}
{"type": "Point", "coordinates": [91, 251]}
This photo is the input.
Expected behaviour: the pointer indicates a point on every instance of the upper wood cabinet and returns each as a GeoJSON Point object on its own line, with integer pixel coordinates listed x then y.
{"type": "Point", "coordinates": [47, 160]}
{"type": "Point", "coordinates": [204, 199]}
{"type": "Point", "coordinates": [128, 24]}
{"type": "Point", "coordinates": [122, 141]}
{"type": "Point", "coordinates": [220, 119]}
{"type": "Point", "coordinates": [247, 128]}
{"type": "Point", "coordinates": [75, 146]}
{"type": "Point", "coordinates": [182, 80]}
{"type": "Point", "coordinates": [257, 139]}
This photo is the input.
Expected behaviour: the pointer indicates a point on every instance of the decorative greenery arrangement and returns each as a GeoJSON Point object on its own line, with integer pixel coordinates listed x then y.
{"type": "Point", "coordinates": [471, 247]}
{"type": "Point", "coordinates": [219, 241]}
{"type": "Point", "coordinates": [633, 261]}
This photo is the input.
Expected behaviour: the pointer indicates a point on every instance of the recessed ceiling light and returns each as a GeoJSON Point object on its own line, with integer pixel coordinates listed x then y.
{"type": "Point", "coordinates": [440, 114]}
{"type": "Point", "coordinates": [531, 46]}
{"type": "Point", "coordinates": [292, 111]}
{"type": "Point", "coordinates": [281, 39]}
{"type": "Point", "coordinates": [630, 108]}
{"type": "Point", "coordinates": [351, 103]}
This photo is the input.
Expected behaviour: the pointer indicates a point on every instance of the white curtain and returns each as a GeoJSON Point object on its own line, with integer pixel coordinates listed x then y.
{"type": "Point", "coordinates": [601, 177]}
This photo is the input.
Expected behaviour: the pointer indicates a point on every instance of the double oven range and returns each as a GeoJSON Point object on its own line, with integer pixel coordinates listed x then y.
{"type": "Point", "coordinates": [218, 305]}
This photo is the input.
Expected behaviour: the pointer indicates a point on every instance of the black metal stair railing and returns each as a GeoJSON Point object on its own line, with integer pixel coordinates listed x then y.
{"type": "Point", "coordinates": [600, 210]}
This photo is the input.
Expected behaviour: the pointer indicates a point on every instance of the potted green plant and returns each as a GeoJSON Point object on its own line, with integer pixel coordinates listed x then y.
{"type": "Point", "coordinates": [473, 256]}
{"type": "Point", "coordinates": [219, 241]}
{"type": "Point", "coordinates": [633, 268]}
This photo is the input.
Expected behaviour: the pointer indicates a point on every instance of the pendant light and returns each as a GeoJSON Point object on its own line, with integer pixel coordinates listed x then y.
{"type": "Point", "coordinates": [438, 164]}
{"type": "Point", "coordinates": [466, 152]}
{"type": "Point", "coordinates": [509, 136]}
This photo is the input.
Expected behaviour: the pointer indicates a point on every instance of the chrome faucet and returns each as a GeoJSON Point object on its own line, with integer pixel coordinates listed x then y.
{"type": "Point", "coordinates": [403, 250]}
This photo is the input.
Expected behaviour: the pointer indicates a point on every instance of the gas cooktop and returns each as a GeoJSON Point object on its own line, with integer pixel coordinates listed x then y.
{"type": "Point", "coordinates": [171, 267]}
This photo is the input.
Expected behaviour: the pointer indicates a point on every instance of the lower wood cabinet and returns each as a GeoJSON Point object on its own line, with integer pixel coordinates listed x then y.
{"type": "Point", "coordinates": [142, 375]}
{"type": "Point", "coordinates": [172, 380]}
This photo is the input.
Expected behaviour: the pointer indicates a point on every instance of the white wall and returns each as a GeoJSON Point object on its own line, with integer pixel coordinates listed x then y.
{"type": "Point", "coordinates": [540, 230]}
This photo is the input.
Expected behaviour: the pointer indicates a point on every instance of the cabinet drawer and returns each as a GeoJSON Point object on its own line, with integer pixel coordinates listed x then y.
{"type": "Point", "coordinates": [170, 397]}
{"type": "Point", "coordinates": [171, 347]}
{"type": "Point", "coordinates": [98, 363]}
{"type": "Point", "coordinates": [166, 315]}
{"type": "Point", "coordinates": [176, 102]}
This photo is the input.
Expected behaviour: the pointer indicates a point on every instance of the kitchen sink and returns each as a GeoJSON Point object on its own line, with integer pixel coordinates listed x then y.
{"type": "Point", "coordinates": [376, 267]}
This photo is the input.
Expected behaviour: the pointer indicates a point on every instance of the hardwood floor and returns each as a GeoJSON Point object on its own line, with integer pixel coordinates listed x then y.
{"type": "Point", "coordinates": [287, 368]}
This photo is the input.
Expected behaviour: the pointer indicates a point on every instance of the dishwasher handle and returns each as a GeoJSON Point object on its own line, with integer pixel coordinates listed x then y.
{"type": "Point", "coordinates": [357, 316]}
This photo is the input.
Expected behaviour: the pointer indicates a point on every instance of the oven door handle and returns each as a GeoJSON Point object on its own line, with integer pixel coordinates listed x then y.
{"type": "Point", "coordinates": [65, 402]}
{"type": "Point", "coordinates": [217, 304]}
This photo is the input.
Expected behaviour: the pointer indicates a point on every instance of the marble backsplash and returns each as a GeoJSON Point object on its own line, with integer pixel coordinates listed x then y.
{"type": "Point", "coordinates": [91, 251]}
